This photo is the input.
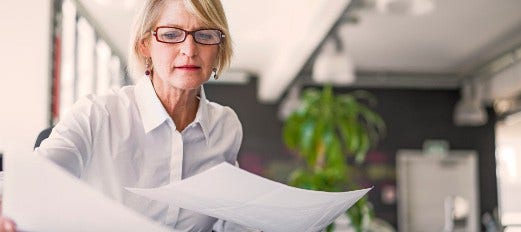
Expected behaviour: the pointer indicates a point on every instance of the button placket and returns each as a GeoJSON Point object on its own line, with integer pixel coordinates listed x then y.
{"type": "Point", "coordinates": [176, 167]}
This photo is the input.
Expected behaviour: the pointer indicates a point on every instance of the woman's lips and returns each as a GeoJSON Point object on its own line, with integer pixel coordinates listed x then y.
{"type": "Point", "coordinates": [188, 67]}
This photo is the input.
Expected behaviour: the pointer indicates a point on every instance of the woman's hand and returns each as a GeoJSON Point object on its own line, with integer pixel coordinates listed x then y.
{"type": "Point", "coordinates": [6, 224]}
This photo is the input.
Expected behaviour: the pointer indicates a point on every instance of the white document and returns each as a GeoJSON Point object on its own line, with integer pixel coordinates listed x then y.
{"type": "Point", "coordinates": [41, 197]}
{"type": "Point", "coordinates": [232, 194]}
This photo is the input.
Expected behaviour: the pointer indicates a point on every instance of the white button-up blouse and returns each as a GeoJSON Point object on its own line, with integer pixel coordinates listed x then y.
{"type": "Point", "coordinates": [127, 139]}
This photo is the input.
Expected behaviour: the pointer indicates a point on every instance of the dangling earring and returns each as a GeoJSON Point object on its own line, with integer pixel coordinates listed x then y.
{"type": "Point", "coordinates": [147, 67]}
{"type": "Point", "coordinates": [214, 72]}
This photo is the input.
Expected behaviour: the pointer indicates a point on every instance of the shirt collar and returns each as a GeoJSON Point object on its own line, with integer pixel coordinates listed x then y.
{"type": "Point", "coordinates": [151, 110]}
{"type": "Point", "coordinates": [154, 114]}
{"type": "Point", "coordinates": [202, 117]}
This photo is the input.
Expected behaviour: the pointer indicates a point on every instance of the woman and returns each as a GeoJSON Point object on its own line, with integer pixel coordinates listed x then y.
{"type": "Point", "coordinates": [162, 129]}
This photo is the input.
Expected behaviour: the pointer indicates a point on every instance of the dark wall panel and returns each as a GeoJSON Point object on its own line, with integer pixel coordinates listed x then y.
{"type": "Point", "coordinates": [412, 116]}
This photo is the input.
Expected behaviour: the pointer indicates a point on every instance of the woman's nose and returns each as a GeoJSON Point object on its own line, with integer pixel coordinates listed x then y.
{"type": "Point", "coordinates": [189, 46]}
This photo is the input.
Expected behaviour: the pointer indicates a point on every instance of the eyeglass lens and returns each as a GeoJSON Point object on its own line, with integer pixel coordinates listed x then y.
{"type": "Point", "coordinates": [176, 35]}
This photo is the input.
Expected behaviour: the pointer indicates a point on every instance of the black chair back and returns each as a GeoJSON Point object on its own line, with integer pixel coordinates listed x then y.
{"type": "Point", "coordinates": [43, 135]}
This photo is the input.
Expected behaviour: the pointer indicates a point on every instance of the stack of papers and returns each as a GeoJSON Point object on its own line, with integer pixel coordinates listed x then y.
{"type": "Point", "coordinates": [40, 196]}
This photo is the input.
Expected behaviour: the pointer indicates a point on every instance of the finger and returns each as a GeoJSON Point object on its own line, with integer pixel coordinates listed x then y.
{"type": "Point", "coordinates": [2, 224]}
{"type": "Point", "coordinates": [7, 225]}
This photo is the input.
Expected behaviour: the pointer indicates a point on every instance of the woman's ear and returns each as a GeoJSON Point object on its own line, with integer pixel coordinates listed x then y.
{"type": "Point", "coordinates": [144, 47]}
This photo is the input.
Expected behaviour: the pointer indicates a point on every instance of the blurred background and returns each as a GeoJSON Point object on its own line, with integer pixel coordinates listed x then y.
{"type": "Point", "coordinates": [445, 76]}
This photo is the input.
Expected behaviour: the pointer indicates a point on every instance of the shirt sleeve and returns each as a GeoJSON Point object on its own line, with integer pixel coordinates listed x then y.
{"type": "Point", "coordinates": [70, 143]}
{"type": "Point", "coordinates": [235, 127]}
{"type": "Point", "coordinates": [225, 226]}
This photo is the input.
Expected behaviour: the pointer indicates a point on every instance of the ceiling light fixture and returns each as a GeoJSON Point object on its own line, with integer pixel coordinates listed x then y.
{"type": "Point", "coordinates": [469, 111]}
{"type": "Point", "coordinates": [333, 65]}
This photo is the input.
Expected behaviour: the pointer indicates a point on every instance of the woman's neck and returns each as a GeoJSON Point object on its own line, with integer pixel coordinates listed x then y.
{"type": "Point", "coordinates": [180, 104]}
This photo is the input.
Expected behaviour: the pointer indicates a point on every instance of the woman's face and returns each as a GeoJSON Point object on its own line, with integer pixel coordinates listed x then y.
{"type": "Point", "coordinates": [185, 65]}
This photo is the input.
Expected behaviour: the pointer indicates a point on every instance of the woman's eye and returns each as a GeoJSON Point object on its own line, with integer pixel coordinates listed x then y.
{"type": "Point", "coordinates": [171, 35]}
{"type": "Point", "coordinates": [207, 35]}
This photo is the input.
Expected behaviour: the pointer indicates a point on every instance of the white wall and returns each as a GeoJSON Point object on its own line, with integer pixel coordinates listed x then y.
{"type": "Point", "coordinates": [25, 69]}
{"type": "Point", "coordinates": [508, 161]}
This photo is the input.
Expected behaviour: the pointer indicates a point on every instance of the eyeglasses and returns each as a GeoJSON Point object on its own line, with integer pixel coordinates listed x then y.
{"type": "Point", "coordinates": [174, 35]}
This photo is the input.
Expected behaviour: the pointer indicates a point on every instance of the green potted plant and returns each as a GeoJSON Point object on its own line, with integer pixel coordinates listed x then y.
{"type": "Point", "coordinates": [331, 133]}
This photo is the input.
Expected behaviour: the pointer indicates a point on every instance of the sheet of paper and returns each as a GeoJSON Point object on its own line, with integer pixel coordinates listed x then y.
{"type": "Point", "coordinates": [235, 195]}
{"type": "Point", "coordinates": [41, 197]}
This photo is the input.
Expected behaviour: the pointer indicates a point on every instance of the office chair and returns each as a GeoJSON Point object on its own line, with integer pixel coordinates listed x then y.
{"type": "Point", "coordinates": [43, 135]}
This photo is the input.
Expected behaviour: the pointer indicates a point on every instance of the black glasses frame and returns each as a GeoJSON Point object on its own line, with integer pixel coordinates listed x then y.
{"type": "Point", "coordinates": [221, 37]}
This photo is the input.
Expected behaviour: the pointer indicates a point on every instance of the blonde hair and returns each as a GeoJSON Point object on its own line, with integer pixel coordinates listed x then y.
{"type": "Point", "coordinates": [209, 12]}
